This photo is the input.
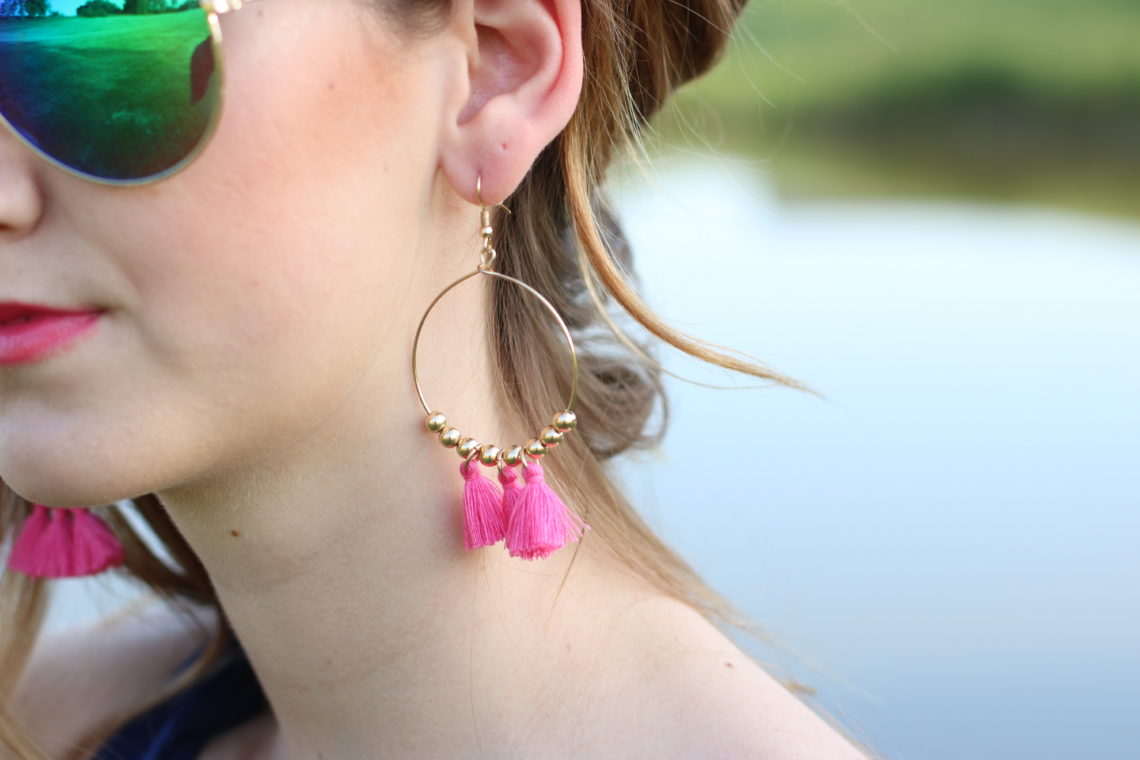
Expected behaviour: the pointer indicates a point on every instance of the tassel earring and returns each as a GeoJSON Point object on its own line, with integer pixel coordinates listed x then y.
{"type": "Point", "coordinates": [529, 517]}
{"type": "Point", "coordinates": [64, 542]}
{"type": "Point", "coordinates": [540, 523]}
{"type": "Point", "coordinates": [483, 523]}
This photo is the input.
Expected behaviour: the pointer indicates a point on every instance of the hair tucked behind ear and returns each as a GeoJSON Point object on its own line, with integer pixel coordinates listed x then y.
{"type": "Point", "coordinates": [561, 238]}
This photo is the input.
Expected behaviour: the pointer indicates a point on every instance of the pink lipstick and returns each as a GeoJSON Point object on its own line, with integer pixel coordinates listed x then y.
{"type": "Point", "coordinates": [29, 332]}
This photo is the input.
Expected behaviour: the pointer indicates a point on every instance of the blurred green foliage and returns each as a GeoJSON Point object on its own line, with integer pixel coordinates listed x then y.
{"type": "Point", "coordinates": [1028, 100]}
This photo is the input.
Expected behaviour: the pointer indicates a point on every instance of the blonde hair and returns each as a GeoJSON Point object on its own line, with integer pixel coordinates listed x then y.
{"type": "Point", "coordinates": [561, 238]}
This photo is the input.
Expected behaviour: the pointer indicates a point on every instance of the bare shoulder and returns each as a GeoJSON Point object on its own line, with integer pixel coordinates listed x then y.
{"type": "Point", "coordinates": [78, 677]}
{"type": "Point", "coordinates": [708, 699]}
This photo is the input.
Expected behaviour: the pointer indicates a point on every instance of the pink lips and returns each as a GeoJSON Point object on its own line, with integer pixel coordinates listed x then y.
{"type": "Point", "coordinates": [28, 332]}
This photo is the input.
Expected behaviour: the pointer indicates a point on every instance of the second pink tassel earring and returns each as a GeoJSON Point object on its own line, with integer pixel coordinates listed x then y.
{"type": "Point", "coordinates": [530, 517]}
{"type": "Point", "coordinates": [64, 542]}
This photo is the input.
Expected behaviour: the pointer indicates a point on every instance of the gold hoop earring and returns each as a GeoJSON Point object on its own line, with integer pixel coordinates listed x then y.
{"type": "Point", "coordinates": [530, 518]}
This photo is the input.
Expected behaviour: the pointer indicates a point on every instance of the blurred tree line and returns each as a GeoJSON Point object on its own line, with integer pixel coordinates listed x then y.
{"type": "Point", "coordinates": [135, 7]}
{"type": "Point", "coordinates": [25, 8]}
{"type": "Point", "coordinates": [1023, 99]}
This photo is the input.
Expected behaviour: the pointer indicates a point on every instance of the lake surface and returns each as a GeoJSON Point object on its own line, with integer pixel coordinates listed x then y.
{"type": "Point", "coordinates": [951, 537]}
{"type": "Point", "coordinates": [953, 534]}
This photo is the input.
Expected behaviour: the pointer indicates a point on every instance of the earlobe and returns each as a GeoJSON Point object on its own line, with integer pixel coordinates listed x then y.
{"type": "Point", "coordinates": [524, 81]}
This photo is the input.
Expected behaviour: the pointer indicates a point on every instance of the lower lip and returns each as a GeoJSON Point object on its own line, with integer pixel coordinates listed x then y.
{"type": "Point", "coordinates": [43, 336]}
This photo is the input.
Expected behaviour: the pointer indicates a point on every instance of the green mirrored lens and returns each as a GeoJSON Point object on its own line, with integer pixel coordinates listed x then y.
{"type": "Point", "coordinates": [119, 91]}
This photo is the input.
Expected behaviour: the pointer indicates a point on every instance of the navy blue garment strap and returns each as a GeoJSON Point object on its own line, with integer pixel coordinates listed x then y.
{"type": "Point", "coordinates": [179, 728]}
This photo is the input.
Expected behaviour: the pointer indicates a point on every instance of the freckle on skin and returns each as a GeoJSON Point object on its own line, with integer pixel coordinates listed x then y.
{"type": "Point", "coordinates": [332, 85]}
{"type": "Point", "coordinates": [235, 532]}
{"type": "Point", "coordinates": [728, 665]}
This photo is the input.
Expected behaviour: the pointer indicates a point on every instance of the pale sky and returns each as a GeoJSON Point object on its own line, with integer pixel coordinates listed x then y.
{"type": "Point", "coordinates": [66, 7]}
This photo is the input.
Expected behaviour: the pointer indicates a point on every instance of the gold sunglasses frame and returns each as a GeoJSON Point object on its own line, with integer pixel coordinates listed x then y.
{"type": "Point", "coordinates": [213, 9]}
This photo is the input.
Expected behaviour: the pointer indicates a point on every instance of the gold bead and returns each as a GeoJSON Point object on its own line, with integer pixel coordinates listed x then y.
{"type": "Point", "coordinates": [436, 422]}
{"type": "Point", "coordinates": [550, 436]}
{"type": "Point", "coordinates": [513, 455]}
{"type": "Point", "coordinates": [565, 420]}
{"type": "Point", "coordinates": [534, 448]}
{"type": "Point", "coordinates": [450, 437]}
{"type": "Point", "coordinates": [489, 454]}
{"type": "Point", "coordinates": [467, 447]}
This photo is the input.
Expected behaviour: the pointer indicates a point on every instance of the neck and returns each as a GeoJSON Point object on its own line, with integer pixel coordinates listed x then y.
{"type": "Point", "coordinates": [339, 560]}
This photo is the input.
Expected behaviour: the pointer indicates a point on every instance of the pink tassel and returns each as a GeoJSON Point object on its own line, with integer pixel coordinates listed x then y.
{"type": "Point", "coordinates": [540, 523]}
{"type": "Point", "coordinates": [512, 489]}
{"type": "Point", "coordinates": [483, 521]}
{"type": "Point", "coordinates": [65, 542]}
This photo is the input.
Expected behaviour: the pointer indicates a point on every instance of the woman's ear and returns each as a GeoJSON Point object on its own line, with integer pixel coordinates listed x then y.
{"type": "Point", "coordinates": [523, 81]}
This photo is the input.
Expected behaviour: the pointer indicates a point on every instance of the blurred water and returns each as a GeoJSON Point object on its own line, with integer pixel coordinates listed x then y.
{"type": "Point", "coordinates": [953, 533]}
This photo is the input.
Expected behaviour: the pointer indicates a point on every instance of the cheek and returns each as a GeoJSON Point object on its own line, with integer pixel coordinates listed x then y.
{"type": "Point", "coordinates": [327, 127]}
{"type": "Point", "coordinates": [263, 282]}
{"type": "Point", "coordinates": [326, 163]}
{"type": "Point", "coordinates": [323, 158]}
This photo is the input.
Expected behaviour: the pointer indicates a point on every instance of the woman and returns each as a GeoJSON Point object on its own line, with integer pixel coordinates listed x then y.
{"type": "Point", "coordinates": [245, 304]}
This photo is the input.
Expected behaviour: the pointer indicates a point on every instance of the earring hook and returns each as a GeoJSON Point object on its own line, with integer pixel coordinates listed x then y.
{"type": "Point", "coordinates": [487, 257]}
{"type": "Point", "coordinates": [479, 195]}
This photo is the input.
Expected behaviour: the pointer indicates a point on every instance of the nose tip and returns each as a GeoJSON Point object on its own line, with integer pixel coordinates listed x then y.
{"type": "Point", "coordinates": [21, 199]}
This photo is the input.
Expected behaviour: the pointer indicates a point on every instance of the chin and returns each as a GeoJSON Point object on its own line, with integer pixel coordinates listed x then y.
{"type": "Point", "coordinates": [65, 479]}
{"type": "Point", "coordinates": [55, 492]}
